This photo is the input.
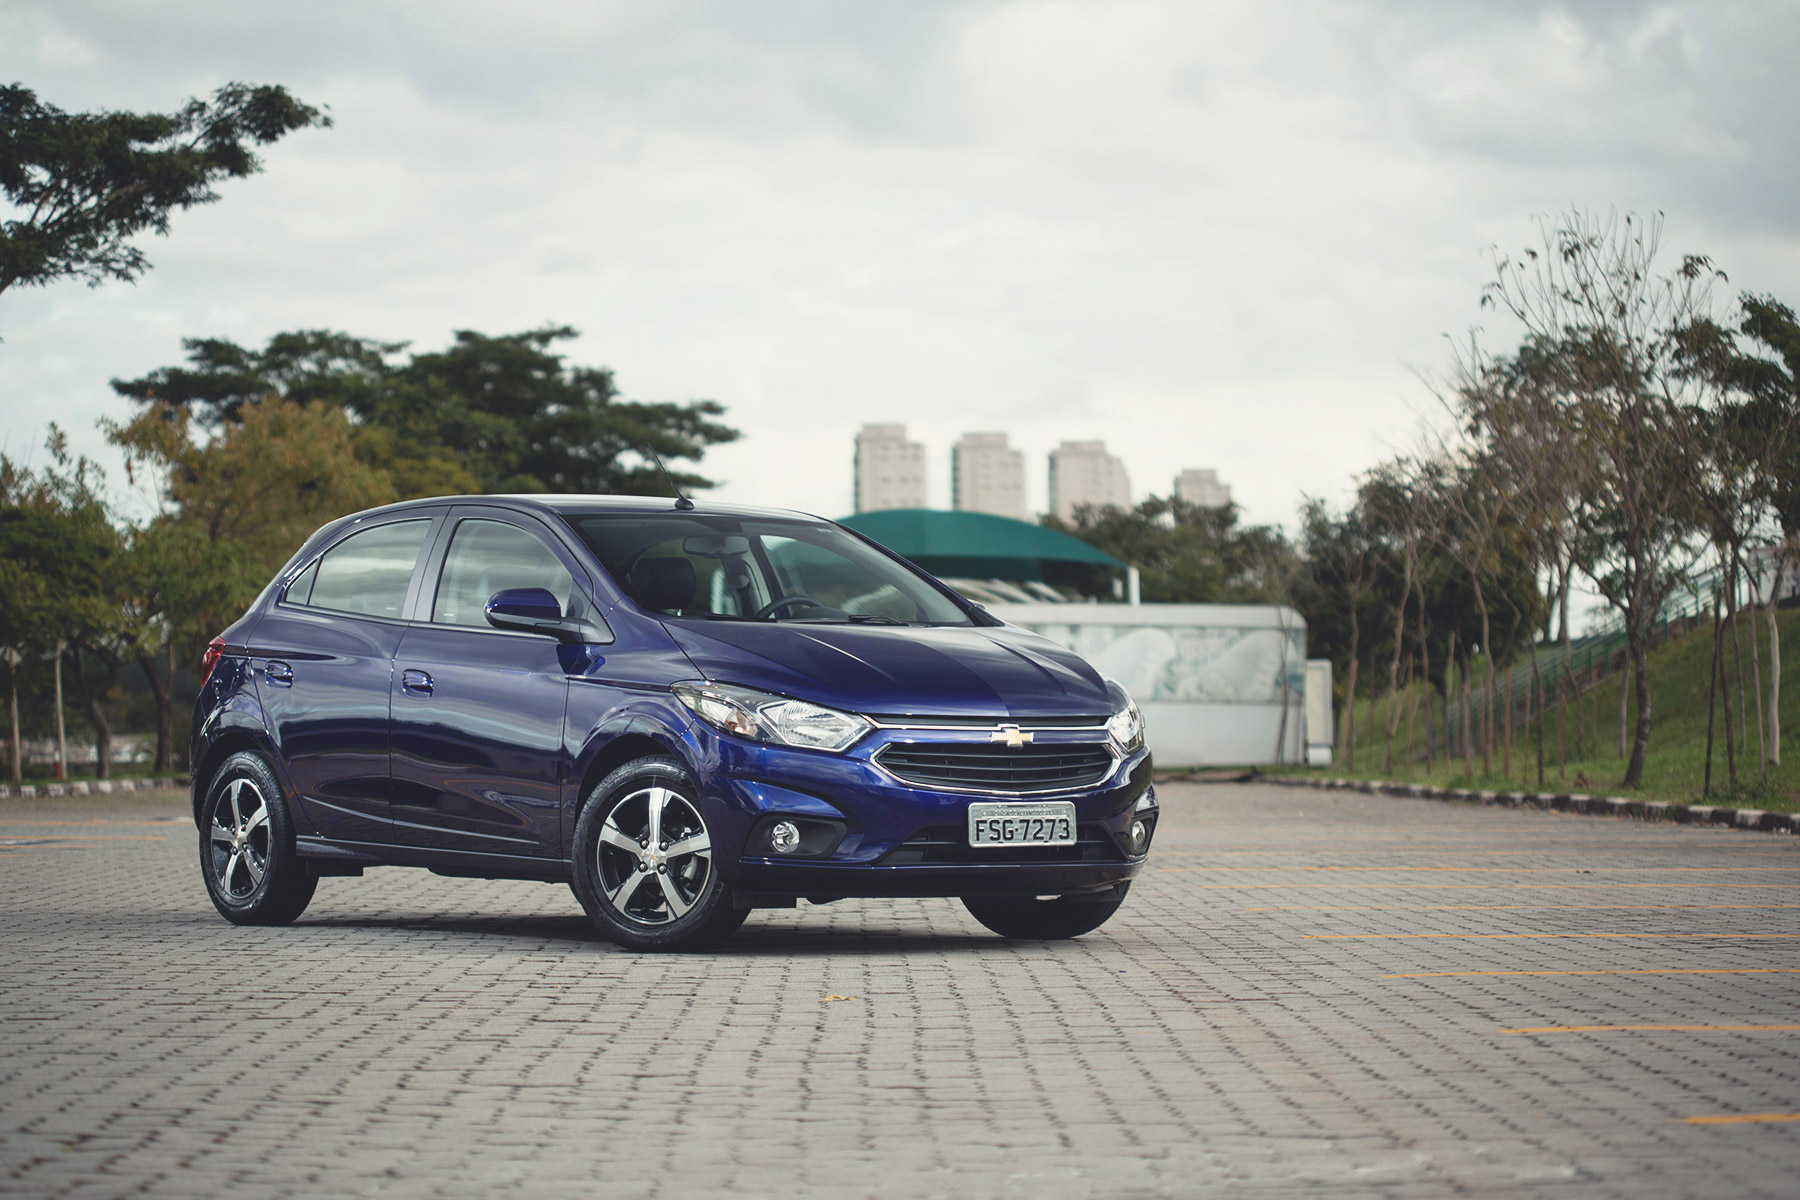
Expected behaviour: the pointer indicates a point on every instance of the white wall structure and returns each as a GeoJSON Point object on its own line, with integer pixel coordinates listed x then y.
{"type": "Point", "coordinates": [1084, 473]}
{"type": "Point", "coordinates": [987, 475]}
{"type": "Point", "coordinates": [1318, 712]}
{"type": "Point", "coordinates": [1219, 684]}
{"type": "Point", "coordinates": [890, 471]}
{"type": "Point", "coordinates": [1200, 487]}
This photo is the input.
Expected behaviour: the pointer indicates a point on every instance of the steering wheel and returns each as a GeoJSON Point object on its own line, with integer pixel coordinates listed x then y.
{"type": "Point", "coordinates": [780, 602]}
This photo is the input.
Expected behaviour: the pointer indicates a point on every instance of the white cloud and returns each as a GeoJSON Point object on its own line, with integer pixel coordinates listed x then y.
{"type": "Point", "coordinates": [1213, 234]}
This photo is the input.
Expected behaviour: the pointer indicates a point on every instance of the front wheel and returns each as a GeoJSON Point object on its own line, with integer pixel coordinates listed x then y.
{"type": "Point", "coordinates": [1029, 919]}
{"type": "Point", "coordinates": [643, 861]}
{"type": "Point", "coordinates": [247, 847]}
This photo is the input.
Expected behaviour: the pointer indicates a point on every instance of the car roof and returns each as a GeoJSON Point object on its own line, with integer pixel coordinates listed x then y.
{"type": "Point", "coordinates": [591, 505]}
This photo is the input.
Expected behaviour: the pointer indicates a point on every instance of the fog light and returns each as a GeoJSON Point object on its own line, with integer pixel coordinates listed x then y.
{"type": "Point", "coordinates": [1139, 835]}
{"type": "Point", "coordinates": [785, 837]}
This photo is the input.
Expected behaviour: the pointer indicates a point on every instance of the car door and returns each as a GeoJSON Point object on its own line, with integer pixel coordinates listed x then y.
{"type": "Point", "coordinates": [477, 758]}
{"type": "Point", "coordinates": [322, 658]}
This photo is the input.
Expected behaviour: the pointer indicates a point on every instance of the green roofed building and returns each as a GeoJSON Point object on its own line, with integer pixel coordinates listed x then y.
{"type": "Point", "coordinates": [974, 545]}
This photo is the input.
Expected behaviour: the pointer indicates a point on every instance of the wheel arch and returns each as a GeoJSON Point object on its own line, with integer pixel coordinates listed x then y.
{"type": "Point", "coordinates": [223, 745]}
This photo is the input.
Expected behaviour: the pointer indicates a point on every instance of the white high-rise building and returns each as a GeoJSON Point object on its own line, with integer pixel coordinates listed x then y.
{"type": "Point", "coordinates": [1201, 488]}
{"type": "Point", "coordinates": [987, 475]}
{"type": "Point", "coordinates": [1084, 473]}
{"type": "Point", "coordinates": [890, 471]}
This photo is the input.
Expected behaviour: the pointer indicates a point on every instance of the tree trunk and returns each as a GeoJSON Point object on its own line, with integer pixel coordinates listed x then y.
{"type": "Point", "coordinates": [1506, 746]}
{"type": "Point", "coordinates": [1737, 661]}
{"type": "Point", "coordinates": [1712, 700]}
{"type": "Point", "coordinates": [1468, 721]}
{"type": "Point", "coordinates": [18, 757]}
{"type": "Point", "coordinates": [1775, 665]}
{"type": "Point", "coordinates": [1348, 754]}
{"type": "Point", "coordinates": [62, 737]}
{"type": "Point", "coordinates": [1393, 723]}
{"type": "Point", "coordinates": [90, 700]}
{"type": "Point", "coordinates": [1536, 701]}
{"type": "Point", "coordinates": [163, 692]}
{"type": "Point", "coordinates": [1624, 684]}
{"type": "Point", "coordinates": [1640, 744]}
{"type": "Point", "coordinates": [1412, 711]}
{"type": "Point", "coordinates": [1762, 746]}
{"type": "Point", "coordinates": [1487, 649]}
{"type": "Point", "coordinates": [1731, 749]}
{"type": "Point", "coordinates": [1424, 674]}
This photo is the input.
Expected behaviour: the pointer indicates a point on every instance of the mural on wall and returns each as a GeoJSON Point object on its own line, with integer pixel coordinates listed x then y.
{"type": "Point", "coordinates": [1207, 665]}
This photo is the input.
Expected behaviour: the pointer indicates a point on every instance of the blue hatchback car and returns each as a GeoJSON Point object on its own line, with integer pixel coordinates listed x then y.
{"type": "Point", "coordinates": [684, 713]}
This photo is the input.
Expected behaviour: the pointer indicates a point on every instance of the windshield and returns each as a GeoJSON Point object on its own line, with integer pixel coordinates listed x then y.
{"type": "Point", "coordinates": [757, 569]}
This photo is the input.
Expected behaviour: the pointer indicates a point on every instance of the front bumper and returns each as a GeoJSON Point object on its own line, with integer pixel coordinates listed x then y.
{"type": "Point", "coordinates": [898, 839]}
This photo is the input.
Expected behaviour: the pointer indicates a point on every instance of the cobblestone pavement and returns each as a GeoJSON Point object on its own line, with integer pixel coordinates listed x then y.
{"type": "Point", "coordinates": [1307, 991]}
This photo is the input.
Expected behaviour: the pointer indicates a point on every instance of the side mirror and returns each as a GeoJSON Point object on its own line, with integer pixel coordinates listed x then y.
{"type": "Point", "coordinates": [535, 610]}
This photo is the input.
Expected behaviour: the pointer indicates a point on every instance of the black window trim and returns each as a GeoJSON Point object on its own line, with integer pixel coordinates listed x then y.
{"type": "Point", "coordinates": [434, 515]}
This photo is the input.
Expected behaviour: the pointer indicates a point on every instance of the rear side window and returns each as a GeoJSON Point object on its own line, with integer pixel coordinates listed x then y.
{"type": "Point", "coordinates": [491, 556]}
{"type": "Point", "coordinates": [368, 572]}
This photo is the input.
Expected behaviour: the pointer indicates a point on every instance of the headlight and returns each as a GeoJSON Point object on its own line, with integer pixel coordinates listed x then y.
{"type": "Point", "coordinates": [1127, 727]}
{"type": "Point", "coordinates": [766, 717]}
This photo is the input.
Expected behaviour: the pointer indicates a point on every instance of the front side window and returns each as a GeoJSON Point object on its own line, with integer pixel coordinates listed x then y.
{"type": "Point", "coordinates": [367, 573]}
{"type": "Point", "coordinates": [753, 569]}
{"type": "Point", "coordinates": [491, 556]}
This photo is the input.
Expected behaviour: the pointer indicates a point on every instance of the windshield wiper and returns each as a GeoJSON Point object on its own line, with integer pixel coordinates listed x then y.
{"type": "Point", "coordinates": [848, 619]}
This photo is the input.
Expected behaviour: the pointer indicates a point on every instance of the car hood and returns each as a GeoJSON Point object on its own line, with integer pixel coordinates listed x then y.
{"type": "Point", "coordinates": [960, 671]}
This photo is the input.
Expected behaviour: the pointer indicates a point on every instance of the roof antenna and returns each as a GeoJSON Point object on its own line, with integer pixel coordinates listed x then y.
{"type": "Point", "coordinates": [682, 503]}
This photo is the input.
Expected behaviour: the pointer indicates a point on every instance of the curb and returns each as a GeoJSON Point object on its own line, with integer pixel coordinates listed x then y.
{"type": "Point", "coordinates": [1565, 802]}
{"type": "Point", "coordinates": [86, 787]}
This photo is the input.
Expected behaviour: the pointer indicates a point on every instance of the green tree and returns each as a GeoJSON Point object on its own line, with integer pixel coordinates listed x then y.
{"type": "Point", "coordinates": [85, 184]}
{"type": "Point", "coordinates": [487, 414]}
{"type": "Point", "coordinates": [61, 550]}
{"type": "Point", "coordinates": [1185, 553]}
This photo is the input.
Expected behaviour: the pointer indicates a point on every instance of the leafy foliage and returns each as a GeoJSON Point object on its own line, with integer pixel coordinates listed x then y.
{"type": "Point", "coordinates": [87, 183]}
{"type": "Point", "coordinates": [487, 414]}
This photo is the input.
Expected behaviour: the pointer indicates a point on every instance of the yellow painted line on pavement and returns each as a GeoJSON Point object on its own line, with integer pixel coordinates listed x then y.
{"type": "Point", "coordinates": [1743, 1119]}
{"type": "Point", "coordinates": [117, 824]}
{"type": "Point", "coordinates": [1657, 1029]}
{"type": "Point", "coordinates": [1391, 936]}
{"type": "Point", "coordinates": [1462, 887]}
{"type": "Point", "coordinates": [1641, 971]}
{"type": "Point", "coordinates": [1499, 907]}
{"type": "Point", "coordinates": [1636, 870]}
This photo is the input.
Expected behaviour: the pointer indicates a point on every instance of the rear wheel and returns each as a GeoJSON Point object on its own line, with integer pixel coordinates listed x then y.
{"type": "Point", "coordinates": [1029, 919]}
{"type": "Point", "coordinates": [247, 847]}
{"type": "Point", "coordinates": [644, 861]}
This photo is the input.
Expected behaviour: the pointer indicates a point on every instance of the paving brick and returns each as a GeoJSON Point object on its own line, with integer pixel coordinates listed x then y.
{"type": "Point", "coordinates": [1288, 1003]}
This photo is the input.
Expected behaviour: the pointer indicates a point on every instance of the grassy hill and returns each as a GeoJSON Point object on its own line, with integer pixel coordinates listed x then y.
{"type": "Point", "coordinates": [1675, 767]}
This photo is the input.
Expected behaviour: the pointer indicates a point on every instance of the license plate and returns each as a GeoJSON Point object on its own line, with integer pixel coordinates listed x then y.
{"type": "Point", "coordinates": [1046, 823]}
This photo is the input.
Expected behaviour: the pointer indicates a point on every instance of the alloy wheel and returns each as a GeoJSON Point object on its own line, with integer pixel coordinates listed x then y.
{"type": "Point", "coordinates": [654, 856]}
{"type": "Point", "coordinates": [240, 838]}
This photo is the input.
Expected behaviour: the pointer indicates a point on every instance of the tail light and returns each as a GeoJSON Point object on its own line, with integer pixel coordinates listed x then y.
{"type": "Point", "coordinates": [210, 659]}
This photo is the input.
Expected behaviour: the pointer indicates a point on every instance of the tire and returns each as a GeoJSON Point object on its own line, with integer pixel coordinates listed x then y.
{"type": "Point", "coordinates": [638, 894]}
{"type": "Point", "coordinates": [247, 853]}
{"type": "Point", "coordinates": [1029, 919]}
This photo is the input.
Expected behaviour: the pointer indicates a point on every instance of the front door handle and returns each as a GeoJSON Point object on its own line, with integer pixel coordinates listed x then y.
{"type": "Point", "coordinates": [415, 683]}
{"type": "Point", "coordinates": [278, 672]}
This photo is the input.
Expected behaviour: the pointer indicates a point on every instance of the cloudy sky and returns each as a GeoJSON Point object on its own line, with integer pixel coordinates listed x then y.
{"type": "Point", "coordinates": [1214, 234]}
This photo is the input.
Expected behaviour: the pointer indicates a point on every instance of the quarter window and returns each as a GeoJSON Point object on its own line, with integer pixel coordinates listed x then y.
{"type": "Point", "coordinates": [491, 556]}
{"type": "Point", "coordinates": [368, 572]}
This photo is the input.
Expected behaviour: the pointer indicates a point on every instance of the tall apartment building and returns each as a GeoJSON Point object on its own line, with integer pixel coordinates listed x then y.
{"type": "Point", "coordinates": [987, 475]}
{"type": "Point", "coordinates": [1201, 488]}
{"type": "Point", "coordinates": [890, 471]}
{"type": "Point", "coordinates": [1084, 473]}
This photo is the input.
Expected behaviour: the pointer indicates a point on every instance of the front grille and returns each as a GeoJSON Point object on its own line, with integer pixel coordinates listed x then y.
{"type": "Point", "coordinates": [949, 844]}
{"type": "Point", "coordinates": [1044, 768]}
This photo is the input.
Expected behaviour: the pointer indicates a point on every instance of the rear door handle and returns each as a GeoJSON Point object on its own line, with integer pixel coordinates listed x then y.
{"type": "Point", "coordinates": [278, 672]}
{"type": "Point", "coordinates": [415, 683]}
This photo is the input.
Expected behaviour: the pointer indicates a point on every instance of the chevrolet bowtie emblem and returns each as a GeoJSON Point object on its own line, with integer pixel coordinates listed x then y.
{"type": "Point", "coordinates": [1012, 735]}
